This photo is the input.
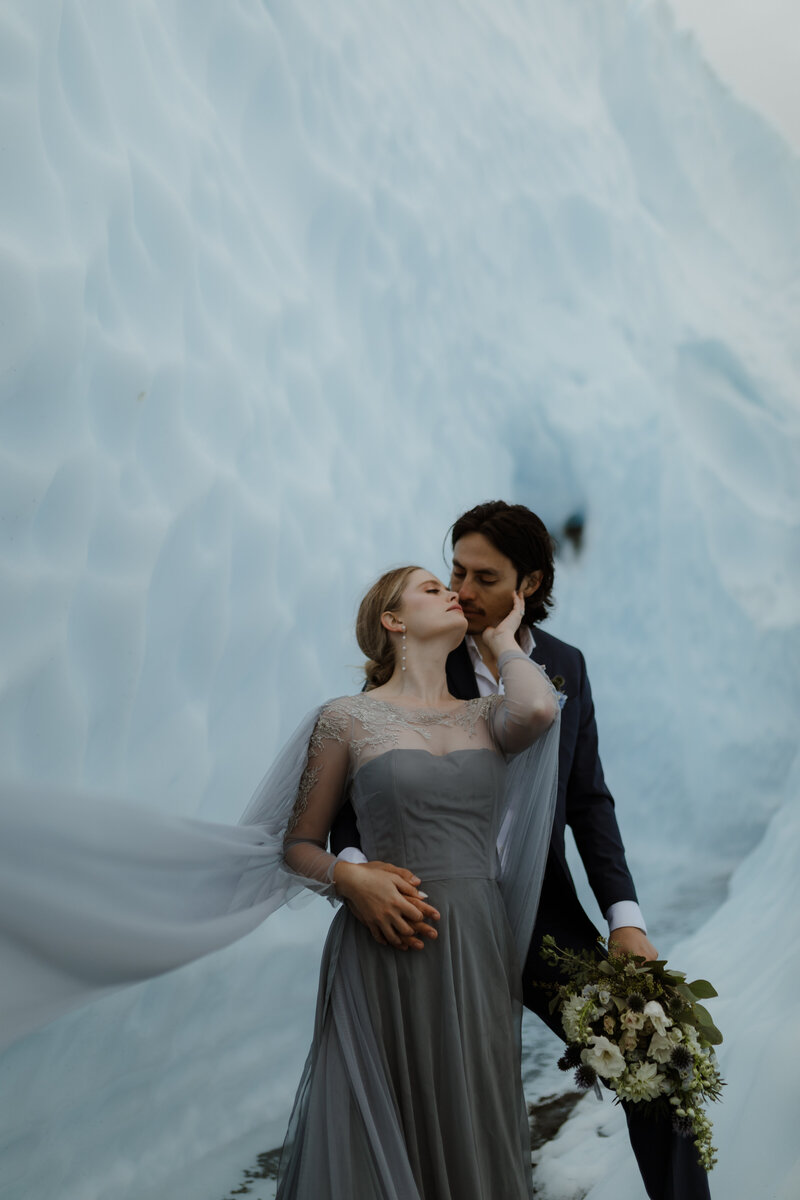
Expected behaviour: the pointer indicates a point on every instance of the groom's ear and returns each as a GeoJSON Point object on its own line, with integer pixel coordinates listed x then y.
{"type": "Point", "coordinates": [530, 583]}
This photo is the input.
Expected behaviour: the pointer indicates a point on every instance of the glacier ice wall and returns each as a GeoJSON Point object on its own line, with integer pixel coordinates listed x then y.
{"type": "Point", "coordinates": [282, 290]}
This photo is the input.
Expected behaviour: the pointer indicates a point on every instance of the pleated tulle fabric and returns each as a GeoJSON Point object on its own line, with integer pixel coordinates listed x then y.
{"type": "Point", "coordinates": [412, 1086]}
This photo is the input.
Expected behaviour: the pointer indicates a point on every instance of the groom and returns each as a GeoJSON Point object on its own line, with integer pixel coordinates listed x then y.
{"type": "Point", "coordinates": [497, 548]}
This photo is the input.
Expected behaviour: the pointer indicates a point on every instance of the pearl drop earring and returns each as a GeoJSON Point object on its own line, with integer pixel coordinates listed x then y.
{"type": "Point", "coordinates": [403, 649]}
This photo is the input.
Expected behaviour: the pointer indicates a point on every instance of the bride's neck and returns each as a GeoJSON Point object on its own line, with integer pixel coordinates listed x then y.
{"type": "Point", "coordinates": [424, 680]}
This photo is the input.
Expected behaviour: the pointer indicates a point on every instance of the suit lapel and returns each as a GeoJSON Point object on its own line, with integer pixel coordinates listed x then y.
{"type": "Point", "coordinates": [460, 675]}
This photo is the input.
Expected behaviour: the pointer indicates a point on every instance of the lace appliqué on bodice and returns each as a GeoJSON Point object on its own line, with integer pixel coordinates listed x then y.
{"type": "Point", "coordinates": [368, 724]}
{"type": "Point", "coordinates": [383, 722]}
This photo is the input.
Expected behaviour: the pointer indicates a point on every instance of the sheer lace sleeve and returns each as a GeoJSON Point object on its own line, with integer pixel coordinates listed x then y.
{"type": "Point", "coordinates": [529, 706]}
{"type": "Point", "coordinates": [319, 797]}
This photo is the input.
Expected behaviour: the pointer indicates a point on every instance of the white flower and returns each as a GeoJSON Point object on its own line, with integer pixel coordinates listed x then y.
{"type": "Point", "coordinates": [571, 1013]}
{"type": "Point", "coordinates": [604, 1056]}
{"type": "Point", "coordinates": [660, 1048]}
{"type": "Point", "coordinates": [632, 1020]}
{"type": "Point", "coordinates": [641, 1082]}
{"type": "Point", "coordinates": [658, 1018]}
{"type": "Point", "coordinates": [690, 1033]}
{"type": "Point", "coordinates": [628, 1041]}
{"type": "Point", "coordinates": [604, 997]}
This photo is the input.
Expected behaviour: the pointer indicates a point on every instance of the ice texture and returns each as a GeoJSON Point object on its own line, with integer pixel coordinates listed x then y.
{"type": "Point", "coordinates": [283, 289]}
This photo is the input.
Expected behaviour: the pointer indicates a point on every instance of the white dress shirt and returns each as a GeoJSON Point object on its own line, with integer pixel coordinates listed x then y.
{"type": "Point", "coordinates": [623, 912]}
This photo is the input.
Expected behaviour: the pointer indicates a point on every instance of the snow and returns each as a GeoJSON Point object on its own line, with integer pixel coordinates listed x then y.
{"type": "Point", "coordinates": [286, 288]}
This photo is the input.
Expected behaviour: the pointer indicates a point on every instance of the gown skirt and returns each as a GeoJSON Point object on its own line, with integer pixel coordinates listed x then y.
{"type": "Point", "coordinates": [412, 1089]}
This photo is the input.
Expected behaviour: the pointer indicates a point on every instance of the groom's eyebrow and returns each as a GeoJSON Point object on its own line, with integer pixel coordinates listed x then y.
{"type": "Point", "coordinates": [478, 570]}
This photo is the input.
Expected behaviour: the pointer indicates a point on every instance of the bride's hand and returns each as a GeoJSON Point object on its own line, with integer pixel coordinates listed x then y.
{"type": "Point", "coordinates": [386, 899]}
{"type": "Point", "coordinates": [500, 637]}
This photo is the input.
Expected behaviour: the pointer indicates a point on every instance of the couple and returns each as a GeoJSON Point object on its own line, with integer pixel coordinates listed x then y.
{"type": "Point", "coordinates": [457, 764]}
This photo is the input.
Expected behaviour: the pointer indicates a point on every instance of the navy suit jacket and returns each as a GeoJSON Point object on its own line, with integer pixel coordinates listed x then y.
{"type": "Point", "coordinates": [584, 803]}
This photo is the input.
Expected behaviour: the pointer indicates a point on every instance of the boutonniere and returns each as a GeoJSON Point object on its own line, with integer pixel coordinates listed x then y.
{"type": "Point", "coordinates": [558, 682]}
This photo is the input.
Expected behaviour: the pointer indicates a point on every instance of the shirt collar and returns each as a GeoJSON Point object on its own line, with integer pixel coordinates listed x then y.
{"type": "Point", "coordinates": [526, 639]}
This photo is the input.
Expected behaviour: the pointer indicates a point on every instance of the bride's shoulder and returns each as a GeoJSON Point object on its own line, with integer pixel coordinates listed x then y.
{"type": "Point", "coordinates": [342, 708]}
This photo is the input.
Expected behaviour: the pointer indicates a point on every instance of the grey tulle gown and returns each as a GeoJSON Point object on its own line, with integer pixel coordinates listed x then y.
{"type": "Point", "coordinates": [412, 1089]}
{"type": "Point", "coordinates": [412, 1086]}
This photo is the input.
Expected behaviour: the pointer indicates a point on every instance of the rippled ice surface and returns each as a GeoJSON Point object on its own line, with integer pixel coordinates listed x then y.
{"type": "Point", "coordinates": [285, 288]}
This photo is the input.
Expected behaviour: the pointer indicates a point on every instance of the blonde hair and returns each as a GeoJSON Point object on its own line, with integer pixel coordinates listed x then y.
{"type": "Point", "coordinates": [371, 636]}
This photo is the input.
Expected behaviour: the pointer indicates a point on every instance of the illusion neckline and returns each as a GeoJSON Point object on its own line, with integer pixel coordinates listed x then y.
{"type": "Point", "coordinates": [440, 712]}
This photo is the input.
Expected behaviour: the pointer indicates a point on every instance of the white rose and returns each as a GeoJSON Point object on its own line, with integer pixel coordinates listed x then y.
{"type": "Point", "coordinates": [632, 1020]}
{"type": "Point", "coordinates": [658, 1018]}
{"type": "Point", "coordinates": [604, 1056]}
{"type": "Point", "coordinates": [628, 1041]}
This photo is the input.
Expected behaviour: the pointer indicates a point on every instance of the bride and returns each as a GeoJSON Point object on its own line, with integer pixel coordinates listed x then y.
{"type": "Point", "coordinates": [412, 1087]}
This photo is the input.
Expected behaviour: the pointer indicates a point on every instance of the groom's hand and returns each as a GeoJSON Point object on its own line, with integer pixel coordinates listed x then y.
{"type": "Point", "coordinates": [387, 900]}
{"type": "Point", "coordinates": [628, 939]}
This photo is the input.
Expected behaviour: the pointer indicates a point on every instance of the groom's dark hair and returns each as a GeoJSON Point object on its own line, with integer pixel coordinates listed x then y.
{"type": "Point", "coordinates": [522, 536]}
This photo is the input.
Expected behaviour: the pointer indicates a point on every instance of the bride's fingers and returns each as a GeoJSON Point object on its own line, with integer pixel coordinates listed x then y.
{"type": "Point", "coordinates": [403, 872]}
{"type": "Point", "coordinates": [418, 896]}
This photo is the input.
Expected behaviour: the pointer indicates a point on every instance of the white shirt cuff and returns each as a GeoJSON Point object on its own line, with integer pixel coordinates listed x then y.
{"type": "Point", "coordinates": [624, 912]}
{"type": "Point", "coordinates": [351, 854]}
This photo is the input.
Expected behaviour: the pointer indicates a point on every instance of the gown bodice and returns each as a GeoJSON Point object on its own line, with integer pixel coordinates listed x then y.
{"type": "Point", "coordinates": [438, 814]}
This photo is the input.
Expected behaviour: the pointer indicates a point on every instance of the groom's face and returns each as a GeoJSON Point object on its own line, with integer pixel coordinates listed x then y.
{"type": "Point", "coordinates": [485, 581]}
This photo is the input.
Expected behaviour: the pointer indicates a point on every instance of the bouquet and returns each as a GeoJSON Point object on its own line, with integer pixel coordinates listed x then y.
{"type": "Point", "coordinates": [643, 1031]}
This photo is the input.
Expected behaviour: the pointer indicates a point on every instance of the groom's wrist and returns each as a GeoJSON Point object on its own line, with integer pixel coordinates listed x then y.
{"type": "Point", "coordinates": [351, 854]}
{"type": "Point", "coordinates": [625, 913]}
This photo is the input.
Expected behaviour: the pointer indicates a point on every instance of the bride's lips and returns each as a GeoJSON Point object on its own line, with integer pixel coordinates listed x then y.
{"type": "Point", "coordinates": [455, 608]}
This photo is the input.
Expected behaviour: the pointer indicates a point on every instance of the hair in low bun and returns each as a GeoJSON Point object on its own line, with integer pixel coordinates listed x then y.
{"type": "Point", "coordinates": [371, 636]}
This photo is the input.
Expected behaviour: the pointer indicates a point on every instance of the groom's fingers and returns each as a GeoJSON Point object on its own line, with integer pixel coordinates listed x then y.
{"type": "Point", "coordinates": [418, 898]}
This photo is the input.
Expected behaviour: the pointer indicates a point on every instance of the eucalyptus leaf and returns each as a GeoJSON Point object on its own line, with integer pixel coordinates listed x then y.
{"type": "Point", "coordinates": [703, 1015]}
{"type": "Point", "coordinates": [703, 989]}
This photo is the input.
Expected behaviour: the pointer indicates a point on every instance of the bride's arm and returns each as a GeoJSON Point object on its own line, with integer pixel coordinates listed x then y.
{"type": "Point", "coordinates": [529, 704]}
{"type": "Point", "coordinates": [386, 899]}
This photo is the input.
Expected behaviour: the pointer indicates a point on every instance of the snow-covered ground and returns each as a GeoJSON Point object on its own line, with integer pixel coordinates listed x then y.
{"type": "Point", "coordinates": [284, 288]}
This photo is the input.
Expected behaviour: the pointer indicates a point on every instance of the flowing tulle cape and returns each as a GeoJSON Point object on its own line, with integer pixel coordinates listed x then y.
{"type": "Point", "coordinates": [96, 894]}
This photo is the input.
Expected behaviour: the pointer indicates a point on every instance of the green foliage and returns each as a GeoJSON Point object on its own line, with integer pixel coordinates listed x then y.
{"type": "Point", "coordinates": [642, 1028]}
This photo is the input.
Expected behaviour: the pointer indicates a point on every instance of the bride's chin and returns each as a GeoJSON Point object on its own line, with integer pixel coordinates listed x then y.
{"type": "Point", "coordinates": [458, 629]}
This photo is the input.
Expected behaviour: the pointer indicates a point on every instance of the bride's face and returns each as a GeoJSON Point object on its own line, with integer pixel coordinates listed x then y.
{"type": "Point", "coordinates": [429, 609]}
